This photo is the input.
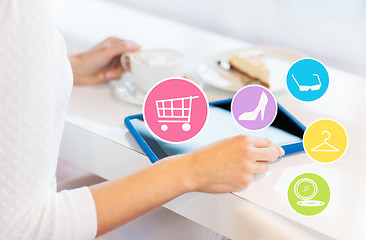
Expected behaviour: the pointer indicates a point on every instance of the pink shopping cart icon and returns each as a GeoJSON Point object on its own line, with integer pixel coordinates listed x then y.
{"type": "Point", "coordinates": [175, 110]}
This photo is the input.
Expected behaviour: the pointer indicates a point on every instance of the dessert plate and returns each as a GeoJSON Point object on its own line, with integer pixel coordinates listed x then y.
{"type": "Point", "coordinates": [278, 61]}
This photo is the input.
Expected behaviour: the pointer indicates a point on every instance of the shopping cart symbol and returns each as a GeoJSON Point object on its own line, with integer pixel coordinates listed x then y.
{"type": "Point", "coordinates": [175, 110]}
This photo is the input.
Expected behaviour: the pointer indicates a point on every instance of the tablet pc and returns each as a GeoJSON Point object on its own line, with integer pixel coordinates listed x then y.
{"type": "Point", "coordinates": [285, 131]}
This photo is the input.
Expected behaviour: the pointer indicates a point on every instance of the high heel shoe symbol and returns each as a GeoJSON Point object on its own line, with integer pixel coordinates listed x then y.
{"type": "Point", "coordinates": [261, 107]}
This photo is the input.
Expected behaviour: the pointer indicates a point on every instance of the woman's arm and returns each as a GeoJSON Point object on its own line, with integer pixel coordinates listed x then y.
{"type": "Point", "coordinates": [226, 166]}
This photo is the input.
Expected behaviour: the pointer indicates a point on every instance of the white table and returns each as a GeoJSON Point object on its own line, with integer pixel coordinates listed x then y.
{"type": "Point", "coordinates": [96, 139]}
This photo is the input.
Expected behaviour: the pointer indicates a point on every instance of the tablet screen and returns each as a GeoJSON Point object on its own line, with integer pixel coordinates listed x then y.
{"type": "Point", "coordinates": [219, 125]}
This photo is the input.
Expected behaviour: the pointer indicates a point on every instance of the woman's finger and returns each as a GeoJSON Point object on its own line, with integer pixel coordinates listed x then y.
{"type": "Point", "coordinates": [120, 48]}
{"type": "Point", "coordinates": [108, 42]}
{"type": "Point", "coordinates": [115, 63]}
{"type": "Point", "coordinates": [267, 154]}
{"type": "Point", "coordinates": [110, 74]}
{"type": "Point", "coordinates": [260, 167]}
{"type": "Point", "coordinates": [260, 142]}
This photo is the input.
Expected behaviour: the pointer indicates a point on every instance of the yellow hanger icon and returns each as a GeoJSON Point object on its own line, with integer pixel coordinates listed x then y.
{"type": "Point", "coordinates": [324, 146]}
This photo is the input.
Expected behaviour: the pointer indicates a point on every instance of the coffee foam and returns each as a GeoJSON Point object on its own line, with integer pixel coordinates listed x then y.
{"type": "Point", "coordinates": [155, 58]}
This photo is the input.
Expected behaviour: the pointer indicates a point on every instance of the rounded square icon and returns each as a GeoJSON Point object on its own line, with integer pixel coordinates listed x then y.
{"type": "Point", "coordinates": [325, 140]}
{"type": "Point", "coordinates": [175, 110]}
{"type": "Point", "coordinates": [254, 107]}
{"type": "Point", "coordinates": [308, 194]}
{"type": "Point", "coordinates": [307, 79]}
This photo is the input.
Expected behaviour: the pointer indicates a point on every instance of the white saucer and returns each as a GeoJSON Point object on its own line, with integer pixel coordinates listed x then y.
{"type": "Point", "coordinates": [278, 60]}
{"type": "Point", "coordinates": [126, 90]}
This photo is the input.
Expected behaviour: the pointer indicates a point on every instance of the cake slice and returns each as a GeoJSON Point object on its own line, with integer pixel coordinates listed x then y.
{"type": "Point", "coordinates": [252, 64]}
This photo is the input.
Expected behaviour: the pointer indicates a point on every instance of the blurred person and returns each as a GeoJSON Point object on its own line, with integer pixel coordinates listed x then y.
{"type": "Point", "coordinates": [36, 81]}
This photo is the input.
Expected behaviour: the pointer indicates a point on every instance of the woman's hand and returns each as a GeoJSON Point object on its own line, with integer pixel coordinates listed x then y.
{"type": "Point", "coordinates": [101, 63]}
{"type": "Point", "coordinates": [229, 165]}
{"type": "Point", "coordinates": [225, 166]}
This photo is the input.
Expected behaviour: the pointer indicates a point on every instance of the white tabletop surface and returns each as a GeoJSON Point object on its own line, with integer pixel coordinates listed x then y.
{"type": "Point", "coordinates": [96, 110]}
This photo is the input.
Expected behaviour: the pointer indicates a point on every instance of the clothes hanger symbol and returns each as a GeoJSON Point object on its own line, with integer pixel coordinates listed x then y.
{"type": "Point", "coordinates": [330, 147]}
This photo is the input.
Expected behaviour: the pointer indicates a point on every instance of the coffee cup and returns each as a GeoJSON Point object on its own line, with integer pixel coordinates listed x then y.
{"type": "Point", "coordinates": [153, 65]}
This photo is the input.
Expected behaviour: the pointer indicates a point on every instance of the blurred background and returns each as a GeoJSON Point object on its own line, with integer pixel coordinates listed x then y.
{"type": "Point", "coordinates": [332, 31]}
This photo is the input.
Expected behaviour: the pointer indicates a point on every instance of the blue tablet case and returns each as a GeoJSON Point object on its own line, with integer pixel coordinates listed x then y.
{"type": "Point", "coordinates": [284, 120]}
